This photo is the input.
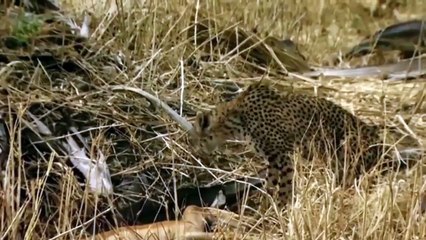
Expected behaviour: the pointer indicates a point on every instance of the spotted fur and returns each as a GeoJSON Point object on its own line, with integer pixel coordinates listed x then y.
{"type": "Point", "coordinates": [276, 124]}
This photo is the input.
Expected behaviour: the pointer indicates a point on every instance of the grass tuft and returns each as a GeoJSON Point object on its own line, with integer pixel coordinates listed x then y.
{"type": "Point", "coordinates": [144, 44]}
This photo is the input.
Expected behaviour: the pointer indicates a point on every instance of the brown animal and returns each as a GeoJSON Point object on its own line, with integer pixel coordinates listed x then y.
{"type": "Point", "coordinates": [276, 124]}
{"type": "Point", "coordinates": [191, 226]}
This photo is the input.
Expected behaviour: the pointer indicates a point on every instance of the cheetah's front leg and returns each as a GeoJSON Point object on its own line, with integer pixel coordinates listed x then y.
{"type": "Point", "coordinates": [280, 178]}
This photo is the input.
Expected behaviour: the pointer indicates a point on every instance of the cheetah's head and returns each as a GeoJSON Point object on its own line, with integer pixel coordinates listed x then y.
{"type": "Point", "coordinates": [213, 129]}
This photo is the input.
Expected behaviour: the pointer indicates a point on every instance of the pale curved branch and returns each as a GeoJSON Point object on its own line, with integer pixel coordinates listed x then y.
{"type": "Point", "coordinates": [184, 124]}
{"type": "Point", "coordinates": [406, 68]}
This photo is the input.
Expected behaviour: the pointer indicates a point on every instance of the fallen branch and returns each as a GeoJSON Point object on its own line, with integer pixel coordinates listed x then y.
{"type": "Point", "coordinates": [187, 126]}
{"type": "Point", "coordinates": [408, 68]}
{"type": "Point", "coordinates": [406, 37]}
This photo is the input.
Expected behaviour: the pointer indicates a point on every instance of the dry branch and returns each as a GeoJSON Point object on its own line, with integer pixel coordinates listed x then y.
{"type": "Point", "coordinates": [187, 126]}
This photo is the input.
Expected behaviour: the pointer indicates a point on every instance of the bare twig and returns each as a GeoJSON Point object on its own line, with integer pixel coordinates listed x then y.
{"type": "Point", "coordinates": [187, 126]}
{"type": "Point", "coordinates": [406, 68]}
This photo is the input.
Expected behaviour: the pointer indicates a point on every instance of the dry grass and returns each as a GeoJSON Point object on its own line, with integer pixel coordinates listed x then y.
{"type": "Point", "coordinates": [156, 51]}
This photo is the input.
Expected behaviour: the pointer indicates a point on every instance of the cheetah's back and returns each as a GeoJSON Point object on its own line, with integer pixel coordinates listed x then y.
{"type": "Point", "coordinates": [301, 118]}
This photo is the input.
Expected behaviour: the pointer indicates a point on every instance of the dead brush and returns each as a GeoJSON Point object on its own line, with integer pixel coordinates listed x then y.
{"type": "Point", "coordinates": [145, 46]}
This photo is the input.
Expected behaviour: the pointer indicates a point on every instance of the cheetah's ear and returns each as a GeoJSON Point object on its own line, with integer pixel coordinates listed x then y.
{"type": "Point", "coordinates": [202, 121]}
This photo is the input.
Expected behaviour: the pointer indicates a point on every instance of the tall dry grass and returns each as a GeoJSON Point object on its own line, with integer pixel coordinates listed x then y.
{"type": "Point", "coordinates": [150, 35]}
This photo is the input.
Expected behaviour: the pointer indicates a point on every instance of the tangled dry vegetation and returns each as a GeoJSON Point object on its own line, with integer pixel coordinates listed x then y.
{"type": "Point", "coordinates": [147, 47]}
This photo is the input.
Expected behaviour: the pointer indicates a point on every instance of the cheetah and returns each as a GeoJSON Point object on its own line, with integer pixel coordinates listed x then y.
{"type": "Point", "coordinates": [275, 124]}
